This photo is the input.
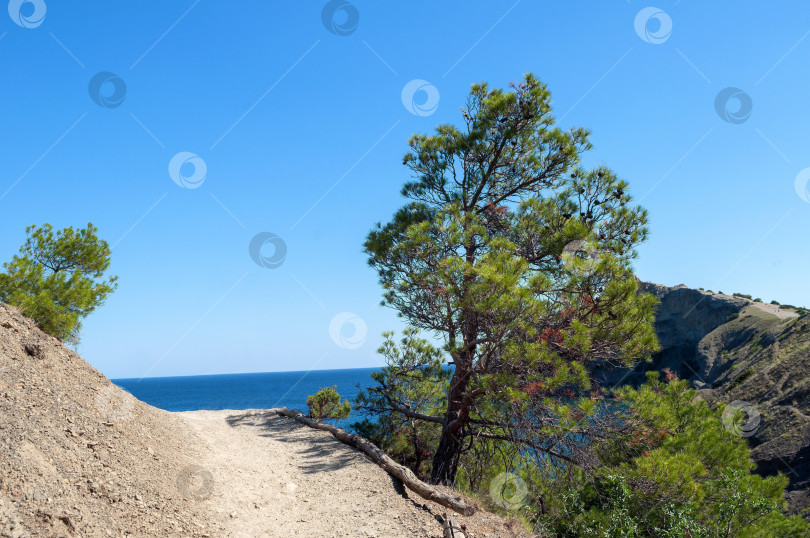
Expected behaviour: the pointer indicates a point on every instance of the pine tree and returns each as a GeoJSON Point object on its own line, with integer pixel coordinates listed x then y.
{"type": "Point", "coordinates": [57, 279]}
{"type": "Point", "coordinates": [519, 259]}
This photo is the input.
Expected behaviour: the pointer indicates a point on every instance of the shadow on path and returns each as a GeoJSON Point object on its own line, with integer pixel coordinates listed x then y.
{"type": "Point", "coordinates": [320, 453]}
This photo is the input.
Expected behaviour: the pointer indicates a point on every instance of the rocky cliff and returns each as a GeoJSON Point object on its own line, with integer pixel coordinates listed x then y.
{"type": "Point", "coordinates": [737, 350]}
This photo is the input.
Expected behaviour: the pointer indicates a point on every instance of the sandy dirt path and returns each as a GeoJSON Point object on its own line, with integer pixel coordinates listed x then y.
{"type": "Point", "coordinates": [272, 476]}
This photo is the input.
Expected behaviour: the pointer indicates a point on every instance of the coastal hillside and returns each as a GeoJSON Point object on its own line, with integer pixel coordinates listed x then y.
{"type": "Point", "coordinates": [79, 456]}
{"type": "Point", "coordinates": [735, 349]}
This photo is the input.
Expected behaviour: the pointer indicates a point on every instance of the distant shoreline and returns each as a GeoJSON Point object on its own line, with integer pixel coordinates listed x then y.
{"type": "Point", "coordinates": [369, 368]}
{"type": "Point", "coordinates": [263, 390]}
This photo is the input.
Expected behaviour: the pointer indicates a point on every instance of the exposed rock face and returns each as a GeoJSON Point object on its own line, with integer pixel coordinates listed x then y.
{"type": "Point", "coordinates": [78, 455]}
{"type": "Point", "coordinates": [685, 315]}
{"type": "Point", "coordinates": [733, 349]}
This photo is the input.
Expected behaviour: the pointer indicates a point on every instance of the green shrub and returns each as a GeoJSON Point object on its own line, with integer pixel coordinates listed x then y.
{"type": "Point", "coordinates": [325, 404]}
{"type": "Point", "coordinates": [677, 471]}
{"type": "Point", "coordinates": [740, 379]}
{"type": "Point", "coordinates": [755, 345]}
{"type": "Point", "coordinates": [415, 376]}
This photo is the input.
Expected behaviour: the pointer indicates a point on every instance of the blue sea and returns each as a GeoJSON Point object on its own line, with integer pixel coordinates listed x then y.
{"type": "Point", "coordinates": [245, 391]}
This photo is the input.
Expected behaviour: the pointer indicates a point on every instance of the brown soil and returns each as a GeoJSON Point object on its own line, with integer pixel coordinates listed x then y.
{"type": "Point", "coordinates": [81, 457]}
{"type": "Point", "coordinates": [274, 477]}
{"type": "Point", "coordinates": [78, 456]}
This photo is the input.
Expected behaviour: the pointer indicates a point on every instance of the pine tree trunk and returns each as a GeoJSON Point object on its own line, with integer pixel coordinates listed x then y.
{"type": "Point", "coordinates": [448, 454]}
{"type": "Point", "coordinates": [445, 461]}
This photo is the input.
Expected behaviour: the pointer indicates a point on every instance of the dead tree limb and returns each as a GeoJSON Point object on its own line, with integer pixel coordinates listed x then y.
{"type": "Point", "coordinates": [452, 529]}
{"type": "Point", "coordinates": [405, 475]}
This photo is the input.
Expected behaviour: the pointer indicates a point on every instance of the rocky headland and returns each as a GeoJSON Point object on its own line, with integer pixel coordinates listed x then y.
{"type": "Point", "coordinates": [754, 355]}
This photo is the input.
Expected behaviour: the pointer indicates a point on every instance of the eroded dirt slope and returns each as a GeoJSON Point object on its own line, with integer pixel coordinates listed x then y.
{"type": "Point", "coordinates": [79, 456]}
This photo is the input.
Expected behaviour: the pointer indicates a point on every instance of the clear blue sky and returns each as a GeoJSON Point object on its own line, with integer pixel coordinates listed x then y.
{"type": "Point", "coordinates": [302, 131]}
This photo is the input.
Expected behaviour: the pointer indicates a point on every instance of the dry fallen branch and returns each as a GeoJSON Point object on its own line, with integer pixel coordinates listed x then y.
{"type": "Point", "coordinates": [452, 529]}
{"type": "Point", "coordinates": [405, 475]}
